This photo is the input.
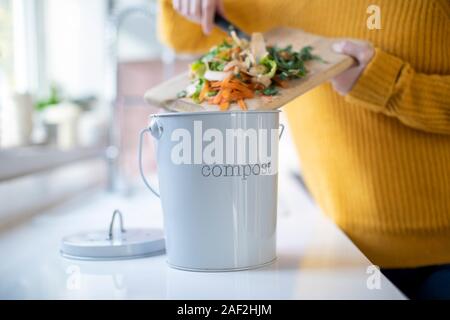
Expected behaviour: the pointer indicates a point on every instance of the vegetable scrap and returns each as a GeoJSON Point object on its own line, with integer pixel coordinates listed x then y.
{"type": "Point", "coordinates": [238, 69]}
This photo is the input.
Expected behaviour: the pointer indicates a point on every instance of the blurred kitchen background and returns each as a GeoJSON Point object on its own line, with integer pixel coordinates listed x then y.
{"type": "Point", "coordinates": [72, 78]}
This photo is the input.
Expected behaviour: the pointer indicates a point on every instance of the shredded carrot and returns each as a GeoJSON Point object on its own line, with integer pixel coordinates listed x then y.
{"type": "Point", "coordinates": [204, 91]}
{"type": "Point", "coordinates": [224, 106]}
{"type": "Point", "coordinates": [226, 94]}
{"type": "Point", "coordinates": [227, 80]}
{"type": "Point", "coordinates": [239, 87]}
{"type": "Point", "coordinates": [231, 89]}
{"type": "Point", "coordinates": [236, 80]}
{"type": "Point", "coordinates": [218, 97]}
{"type": "Point", "coordinates": [242, 104]}
{"type": "Point", "coordinates": [236, 95]}
{"type": "Point", "coordinates": [242, 89]}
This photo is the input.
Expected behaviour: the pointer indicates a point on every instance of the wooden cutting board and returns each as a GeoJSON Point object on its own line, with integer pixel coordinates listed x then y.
{"type": "Point", "coordinates": [164, 95]}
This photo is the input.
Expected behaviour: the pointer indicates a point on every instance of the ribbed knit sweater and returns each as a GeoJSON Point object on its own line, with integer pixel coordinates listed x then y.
{"type": "Point", "coordinates": [377, 161]}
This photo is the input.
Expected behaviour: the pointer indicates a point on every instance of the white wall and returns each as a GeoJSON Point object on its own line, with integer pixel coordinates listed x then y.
{"type": "Point", "coordinates": [75, 50]}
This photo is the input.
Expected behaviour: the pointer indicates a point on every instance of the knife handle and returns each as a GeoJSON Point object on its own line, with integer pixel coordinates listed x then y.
{"type": "Point", "coordinates": [225, 25]}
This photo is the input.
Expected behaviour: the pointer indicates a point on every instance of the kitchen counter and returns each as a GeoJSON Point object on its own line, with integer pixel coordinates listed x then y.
{"type": "Point", "coordinates": [315, 258]}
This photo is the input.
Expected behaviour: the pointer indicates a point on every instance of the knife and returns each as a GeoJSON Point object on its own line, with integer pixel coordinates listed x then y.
{"type": "Point", "coordinates": [225, 25]}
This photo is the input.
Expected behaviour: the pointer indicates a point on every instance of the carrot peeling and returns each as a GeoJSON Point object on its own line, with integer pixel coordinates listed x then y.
{"type": "Point", "coordinates": [242, 104]}
{"type": "Point", "coordinates": [204, 91]}
{"type": "Point", "coordinates": [224, 106]}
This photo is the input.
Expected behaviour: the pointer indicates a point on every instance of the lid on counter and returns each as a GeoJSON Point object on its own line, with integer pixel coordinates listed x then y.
{"type": "Point", "coordinates": [110, 245]}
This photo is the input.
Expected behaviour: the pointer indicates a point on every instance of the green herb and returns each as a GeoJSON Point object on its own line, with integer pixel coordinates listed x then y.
{"type": "Point", "coordinates": [225, 45]}
{"type": "Point", "coordinates": [182, 94]}
{"type": "Point", "coordinates": [216, 65]}
{"type": "Point", "coordinates": [198, 88]}
{"type": "Point", "coordinates": [210, 55]}
{"type": "Point", "coordinates": [270, 91]}
{"type": "Point", "coordinates": [283, 75]}
{"type": "Point", "coordinates": [215, 51]}
{"type": "Point", "coordinates": [198, 68]}
{"type": "Point", "coordinates": [306, 55]}
{"type": "Point", "coordinates": [291, 64]}
{"type": "Point", "coordinates": [211, 93]}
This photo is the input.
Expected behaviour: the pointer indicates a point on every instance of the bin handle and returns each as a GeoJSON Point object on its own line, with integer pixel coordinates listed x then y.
{"type": "Point", "coordinates": [281, 130]}
{"type": "Point", "coordinates": [141, 169]}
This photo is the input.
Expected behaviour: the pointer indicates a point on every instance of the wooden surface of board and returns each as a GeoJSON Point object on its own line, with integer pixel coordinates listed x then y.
{"type": "Point", "coordinates": [164, 95]}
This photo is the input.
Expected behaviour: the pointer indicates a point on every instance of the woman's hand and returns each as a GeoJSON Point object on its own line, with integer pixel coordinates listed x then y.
{"type": "Point", "coordinates": [200, 11]}
{"type": "Point", "coordinates": [363, 53]}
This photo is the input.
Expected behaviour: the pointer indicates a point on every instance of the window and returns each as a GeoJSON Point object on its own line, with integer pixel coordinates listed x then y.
{"type": "Point", "coordinates": [19, 68]}
{"type": "Point", "coordinates": [5, 41]}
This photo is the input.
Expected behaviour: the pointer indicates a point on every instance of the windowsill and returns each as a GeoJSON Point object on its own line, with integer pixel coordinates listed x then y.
{"type": "Point", "coordinates": [19, 162]}
{"type": "Point", "coordinates": [33, 194]}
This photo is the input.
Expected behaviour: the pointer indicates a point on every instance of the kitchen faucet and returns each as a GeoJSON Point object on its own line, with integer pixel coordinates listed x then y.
{"type": "Point", "coordinates": [114, 22]}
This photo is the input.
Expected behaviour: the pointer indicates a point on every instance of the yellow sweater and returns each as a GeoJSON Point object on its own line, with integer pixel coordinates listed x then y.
{"type": "Point", "coordinates": [378, 160]}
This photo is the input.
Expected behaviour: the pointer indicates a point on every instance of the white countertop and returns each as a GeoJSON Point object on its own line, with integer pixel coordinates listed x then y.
{"type": "Point", "coordinates": [315, 259]}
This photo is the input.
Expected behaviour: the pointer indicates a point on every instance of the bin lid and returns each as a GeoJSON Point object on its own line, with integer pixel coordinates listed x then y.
{"type": "Point", "coordinates": [110, 245]}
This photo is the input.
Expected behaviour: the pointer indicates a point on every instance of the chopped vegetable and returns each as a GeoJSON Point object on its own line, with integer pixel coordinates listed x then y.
{"type": "Point", "coordinates": [203, 91]}
{"type": "Point", "coordinates": [216, 75]}
{"type": "Point", "coordinates": [198, 69]}
{"type": "Point", "coordinates": [270, 91]}
{"type": "Point", "coordinates": [237, 69]}
{"type": "Point", "coordinates": [211, 93]}
{"type": "Point", "coordinates": [270, 64]}
{"type": "Point", "coordinates": [198, 89]}
{"type": "Point", "coordinates": [182, 94]}
{"type": "Point", "coordinates": [258, 46]}
{"type": "Point", "coordinates": [224, 105]}
{"type": "Point", "coordinates": [242, 104]}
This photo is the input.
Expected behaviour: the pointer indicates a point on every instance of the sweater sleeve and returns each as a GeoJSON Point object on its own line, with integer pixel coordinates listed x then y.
{"type": "Point", "coordinates": [182, 35]}
{"type": "Point", "coordinates": [391, 86]}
